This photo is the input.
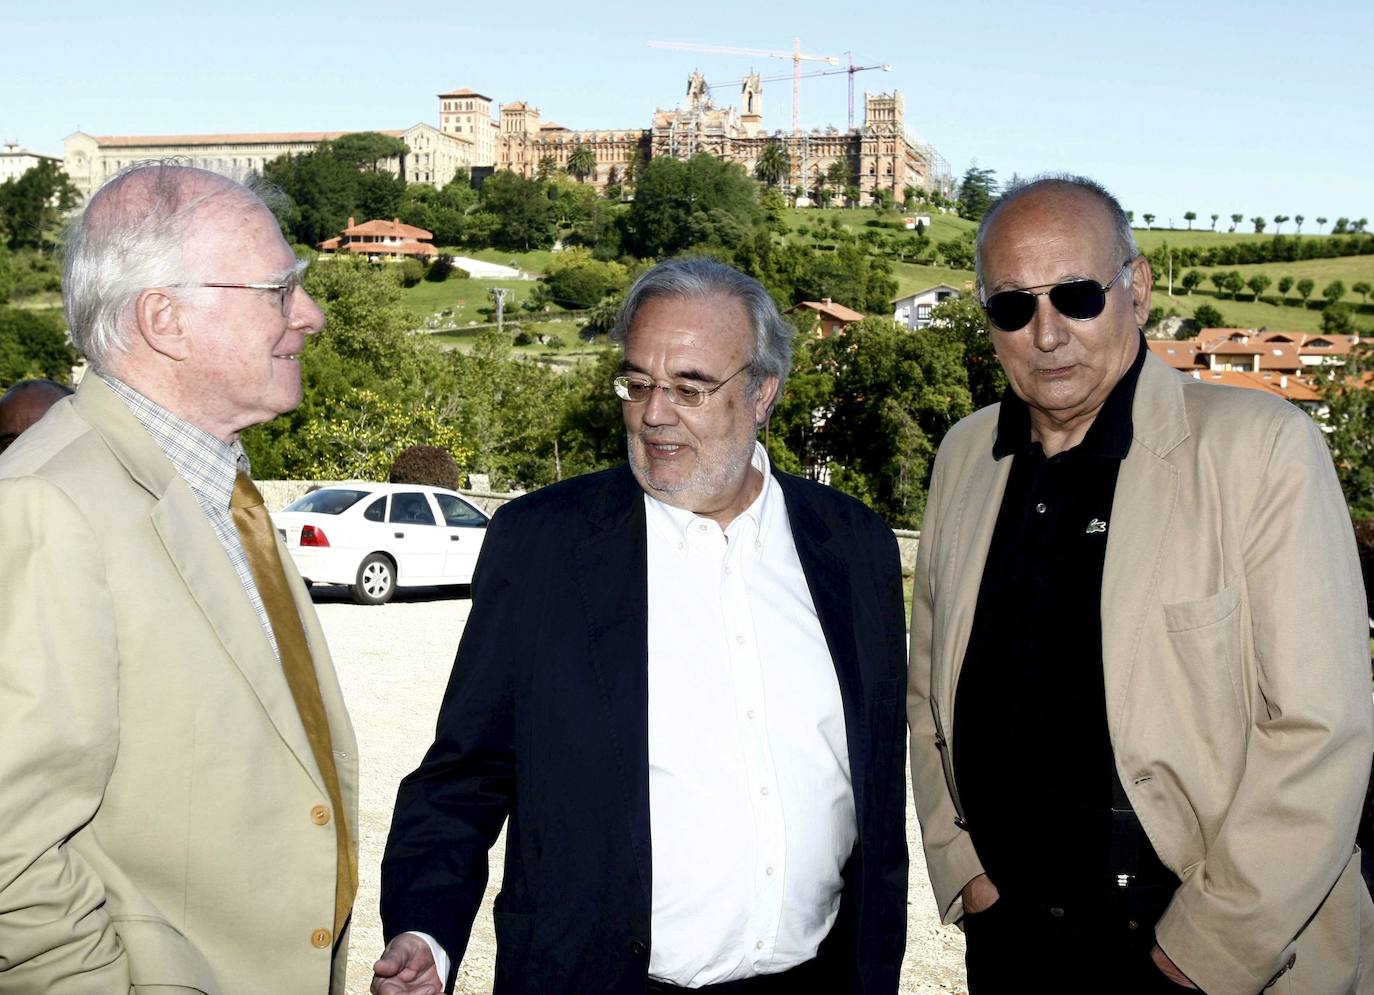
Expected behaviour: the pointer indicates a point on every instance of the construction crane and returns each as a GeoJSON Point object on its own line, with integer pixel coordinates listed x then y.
{"type": "Point", "coordinates": [796, 55]}
{"type": "Point", "coordinates": [851, 69]}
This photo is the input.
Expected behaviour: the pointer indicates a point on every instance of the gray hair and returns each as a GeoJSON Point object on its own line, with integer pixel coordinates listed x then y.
{"type": "Point", "coordinates": [695, 277]}
{"type": "Point", "coordinates": [129, 238]}
{"type": "Point", "coordinates": [1125, 240]}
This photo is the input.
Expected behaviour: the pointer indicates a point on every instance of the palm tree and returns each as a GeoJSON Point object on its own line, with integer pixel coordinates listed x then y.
{"type": "Point", "coordinates": [582, 162]}
{"type": "Point", "coordinates": [774, 165]}
{"type": "Point", "coordinates": [1298, 219]}
{"type": "Point", "coordinates": [837, 174]}
{"type": "Point", "coordinates": [1279, 219]}
{"type": "Point", "coordinates": [1320, 222]}
{"type": "Point", "coordinates": [1214, 221]}
{"type": "Point", "coordinates": [1235, 220]}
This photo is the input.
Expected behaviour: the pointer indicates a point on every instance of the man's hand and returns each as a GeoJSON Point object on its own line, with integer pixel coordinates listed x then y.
{"type": "Point", "coordinates": [979, 894]}
{"type": "Point", "coordinates": [406, 968]}
{"type": "Point", "coordinates": [1169, 968]}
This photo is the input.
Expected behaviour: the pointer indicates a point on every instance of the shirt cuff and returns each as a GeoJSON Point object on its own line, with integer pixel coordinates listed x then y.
{"type": "Point", "coordinates": [440, 958]}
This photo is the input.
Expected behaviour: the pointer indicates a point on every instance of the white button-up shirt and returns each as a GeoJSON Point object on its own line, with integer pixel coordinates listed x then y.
{"type": "Point", "coordinates": [750, 802]}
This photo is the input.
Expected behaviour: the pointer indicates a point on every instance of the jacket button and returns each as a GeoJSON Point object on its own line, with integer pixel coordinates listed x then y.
{"type": "Point", "coordinates": [320, 938]}
{"type": "Point", "coordinates": [638, 948]}
{"type": "Point", "coordinates": [319, 815]}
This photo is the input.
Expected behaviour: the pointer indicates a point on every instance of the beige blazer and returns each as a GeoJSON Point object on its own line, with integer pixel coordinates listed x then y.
{"type": "Point", "coordinates": [1236, 663]}
{"type": "Point", "coordinates": [156, 784]}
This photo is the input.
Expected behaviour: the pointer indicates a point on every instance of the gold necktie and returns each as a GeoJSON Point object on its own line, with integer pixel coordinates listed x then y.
{"type": "Point", "coordinates": [260, 545]}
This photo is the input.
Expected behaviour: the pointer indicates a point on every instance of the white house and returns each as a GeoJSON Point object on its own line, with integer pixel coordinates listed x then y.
{"type": "Point", "coordinates": [913, 310]}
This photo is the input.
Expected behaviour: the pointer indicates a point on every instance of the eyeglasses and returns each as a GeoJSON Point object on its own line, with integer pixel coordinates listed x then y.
{"type": "Point", "coordinates": [1081, 300]}
{"type": "Point", "coordinates": [284, 290]}
{"type": "Point", "coordinates": [639, 389]}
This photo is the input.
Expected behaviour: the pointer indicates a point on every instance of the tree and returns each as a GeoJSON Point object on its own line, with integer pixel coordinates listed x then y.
{"type": "Point", "coordinates": [976, 192]}
{"type": "Point", "coordinates": [330, 184]}
{"type": "Point", "coordinates": [821, 194]}
{"type": "Point", "coordinates": [909, 196]}
{"type": "Point", "coordinates": [31, 207]}
{"type": "Point", "coordinates": [1305, 287]}
{"type": "Point", "coordinates": [1339, 228]}
{"type": "Point", "coordinates": [367, 150]}
{"type": "Point", "coordinates": [1258, 284]}
{"type": "Point", "coordinates": [1236, 219]}
{"type": "Point", "coordinates": [1220, 279]}
{"type": "Point", "coordinates": [581, 161]}
{"type": "Point", "coordinates": [1191, 280]}
{"type": "Point", "coordinates": [1285, 284]}
{"type": "Point", "coordinates": [957, 252]}
{"type": "Point", "coordinates": [703, 201]}
{"type": "Point", "coordinates": [837, 174]}
{"type": "Point", "coordinates": [524, 215]}
{"type": "Point", "coordinates": [882, 200]}
{"type": "Point", "coordinates": [575, 280]}
{"type": "Point", "coordinates": [1149, 220]}
{"type": "Point", "coordinates": [443, 212]}
{"type": "Point", "coordinates": [1333, 291]}
{"type": "Point", "coordinates": [1298, 219]}
{"type": "Point", "coordinates": [1207, 316]}
{"type": "Point", "coordinates": [33, 344]}
{"type": "Point", "coordinates": [1258, 222]}
{"type": "Point", "coordinates": [1320, 222]}
{"type": "Point", "coordinates": [1279, 219]}
{"type": "Point", "coordinates": [1235, 283]}
{"type": "Point", "coordinates": [547, 168]}
{"type": "Point", "coordinates": [1215, 217]}
{"type": "Point", "coordinates": [1362, 287]}
{"type": "Point", "coordinates": [774, 165]}
{"type": "Point", "coordinates": [1338, 319]}
{"type": "Point", "coordinates": [1346, 413]}
{"type": "Point", "coordinates": [1360, 225]}
{"type": "Point", "coordinates": [1190, 217]}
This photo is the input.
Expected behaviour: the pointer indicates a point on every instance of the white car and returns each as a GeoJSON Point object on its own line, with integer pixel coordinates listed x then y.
{"type": "Point", "coordinates": [375, 538]}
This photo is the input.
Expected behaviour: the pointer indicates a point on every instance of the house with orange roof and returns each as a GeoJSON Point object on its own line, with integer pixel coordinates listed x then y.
{"type": "Point", "coordinates": [833, 317]}
{"type": "Point", "coordinates": [383, 241]}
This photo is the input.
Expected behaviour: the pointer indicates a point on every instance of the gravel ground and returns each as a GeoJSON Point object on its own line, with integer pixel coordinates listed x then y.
{"type": "Point", "coordinates": [393, 663]}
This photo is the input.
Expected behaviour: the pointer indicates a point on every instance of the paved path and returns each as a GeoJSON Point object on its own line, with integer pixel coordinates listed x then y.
{"type": "Point", "coordinates": [393, 662]}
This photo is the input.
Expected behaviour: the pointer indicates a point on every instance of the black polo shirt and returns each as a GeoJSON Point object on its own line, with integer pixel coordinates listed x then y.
{"type": "Point", "coordinates": [1032, 756]}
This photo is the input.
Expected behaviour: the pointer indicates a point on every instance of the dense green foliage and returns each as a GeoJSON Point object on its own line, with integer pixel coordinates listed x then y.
{"type": "Point", "coordinates": [33, 344]}
{"type": "Point", "coordinates": [32, 206]}
{"type": "Point", "coordinates": [703, 201]}
{"type": "Point", "coordinates": [1349, 422]}
{"type": "Point", "coordinates": [336, 181]}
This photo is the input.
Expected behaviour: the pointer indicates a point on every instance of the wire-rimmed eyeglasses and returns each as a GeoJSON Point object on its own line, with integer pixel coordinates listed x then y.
{"type": "Point", "coordinates": [636, 390]}
{"type": "Point", "coordinates": [284, 290]}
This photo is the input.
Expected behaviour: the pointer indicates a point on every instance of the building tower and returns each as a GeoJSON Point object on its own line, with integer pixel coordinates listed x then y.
{"type": "Point", "coordinates": [751, 106]}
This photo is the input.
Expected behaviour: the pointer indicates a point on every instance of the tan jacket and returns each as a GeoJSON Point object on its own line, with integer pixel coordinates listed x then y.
{"type": "Point", "coordinates": [156, 783]}
{"type": "Point", "coordinates": [1236, 664]}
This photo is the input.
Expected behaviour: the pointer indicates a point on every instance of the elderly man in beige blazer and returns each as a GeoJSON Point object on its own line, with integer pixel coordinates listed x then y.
{"type": "Point", "coordinates": [1156, 788]}
{"type": "Point", "coordinates": [179, 773]}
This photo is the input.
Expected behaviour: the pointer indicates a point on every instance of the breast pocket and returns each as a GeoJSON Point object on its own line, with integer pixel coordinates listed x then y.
{"type": "Point", "coordinates": [1204, 676]}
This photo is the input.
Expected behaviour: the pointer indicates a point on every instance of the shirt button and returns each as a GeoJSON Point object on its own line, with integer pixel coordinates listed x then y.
{"type": "Point", "coordinates": [758, 945]}
{"type": "Point", "coordinates": [1040, 508]}
{"type": "Point", "coordinates": [701, 527]}
{"type": "Point", "coordinates": [320, 938]}
{"type": "Point", "coordinates": [769, 872]}
{"type": "Point", "coordinates": [750, 713]}
{"type": "Point", "coordinates": [740, 640]}
{"type": "Point", "coordinates": [319, 815]}
{"type": "Point", "coordinates": [763, 790]}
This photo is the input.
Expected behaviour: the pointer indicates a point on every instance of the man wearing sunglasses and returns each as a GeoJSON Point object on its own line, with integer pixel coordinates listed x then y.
{"type": "Point", "coordinates": [179, 775]}
{"type": "Point", "coordinates": [1139, 686]}
{"type": "Point", "coordinates": [681, 681]}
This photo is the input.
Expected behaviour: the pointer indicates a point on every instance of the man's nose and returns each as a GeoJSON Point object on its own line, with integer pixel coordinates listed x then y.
{"type": "Point", "coordinates": [1048, 328]}
{"type": "Point", "coordinates": [658, 410]}
{"type": "Point", "coordinates": [303, 312]}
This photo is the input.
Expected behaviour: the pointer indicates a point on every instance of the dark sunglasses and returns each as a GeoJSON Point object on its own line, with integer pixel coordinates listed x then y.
{"type": "Point", "coordinates": [1081, 300]}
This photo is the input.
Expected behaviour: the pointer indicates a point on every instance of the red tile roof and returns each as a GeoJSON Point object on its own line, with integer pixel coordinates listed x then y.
{"type": "Point", "coordinates": [1180, 355]}
{"type": "Point", "coordinates": [831, 310]}
{"type": "Point", "coordinates": [464, 92]}
{"type": "Point", "coordinates": [393, 229]}
{"type": "Point", "coordinates": [1288, 386]}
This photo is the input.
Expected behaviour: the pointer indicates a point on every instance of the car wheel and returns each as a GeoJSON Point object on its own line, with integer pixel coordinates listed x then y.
{"type": "Point", "coordinates": [376, 581]}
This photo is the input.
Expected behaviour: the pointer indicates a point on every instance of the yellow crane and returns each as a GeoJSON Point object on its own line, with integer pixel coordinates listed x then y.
{"type": "Point", "coordinates": [796, 55]}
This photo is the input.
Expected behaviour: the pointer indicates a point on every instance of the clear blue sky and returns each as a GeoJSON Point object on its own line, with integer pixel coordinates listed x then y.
{"type": "Point", "coordinates": [1248, 106]}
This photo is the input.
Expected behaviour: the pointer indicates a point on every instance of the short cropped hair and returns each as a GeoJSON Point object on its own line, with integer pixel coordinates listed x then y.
{"type": "Point", "coordinates": [695, 277]}
{"type": "Point", "coordinates": [129, 238]}
{"type": "Point", "coordinates": [1120, 222]}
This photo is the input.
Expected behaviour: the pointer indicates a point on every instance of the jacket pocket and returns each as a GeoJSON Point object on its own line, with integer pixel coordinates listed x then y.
{"type": "Point", "coordinates": [160, 956]}
{"type": "Point", "coordinates": [513, 931]}
{"type": "Point", "coordinates": [1205, 675]}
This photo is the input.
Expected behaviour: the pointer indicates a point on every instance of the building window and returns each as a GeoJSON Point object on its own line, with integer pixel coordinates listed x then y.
{"type": "Point", "coordinates": [922, 312]}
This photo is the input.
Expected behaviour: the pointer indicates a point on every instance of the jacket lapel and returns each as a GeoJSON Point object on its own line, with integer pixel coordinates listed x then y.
{"type": "Point", "coordinates": [827, 577]}
{"type": "Point", "coordinates": [1143, 511]}
{"type": "Point", "coordinates": [613, 564]}
{"type": "Point", "coordinates": [201, 561]}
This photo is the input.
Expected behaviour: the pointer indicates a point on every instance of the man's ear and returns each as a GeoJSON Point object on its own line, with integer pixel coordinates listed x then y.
{"type": "Point", "coordinates": [1142, 280]}
{"type": "Point", "coordinates": [764, 399]}
{"type": "Point", "coordinates": [158, 319]}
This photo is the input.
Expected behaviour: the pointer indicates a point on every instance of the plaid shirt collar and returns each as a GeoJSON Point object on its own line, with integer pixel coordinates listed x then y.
{"type": "Point", "coordinates": [207, 464]}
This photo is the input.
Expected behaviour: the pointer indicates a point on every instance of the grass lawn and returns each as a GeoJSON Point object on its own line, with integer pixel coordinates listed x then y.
{"type": "Point", "coordinates": [467, 298]}
{"type": "Point", "coordinates": [1204, 238]}
{"type": "Point", "coordinates": [535, 261]}
{"type": "Point", "coordinates": [942, 226]}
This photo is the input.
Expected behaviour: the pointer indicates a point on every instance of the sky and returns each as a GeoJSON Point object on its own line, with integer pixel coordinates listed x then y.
{"type": "Point", "coordinates": [1230, 106]}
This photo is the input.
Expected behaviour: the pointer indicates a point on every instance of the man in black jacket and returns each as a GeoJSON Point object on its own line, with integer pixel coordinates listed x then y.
{"type": "Point", "coordinates": [682, 682]}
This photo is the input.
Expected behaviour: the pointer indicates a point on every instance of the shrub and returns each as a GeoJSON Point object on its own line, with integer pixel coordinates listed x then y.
{"type": "Point", "coordinates": [440, 269]}
{"type": "Point", "coordinates": [425, 465]}
{"type": "Point", "coordinates": [1207, 316]}
{"type": "Point", "coordinates": [412, 272]}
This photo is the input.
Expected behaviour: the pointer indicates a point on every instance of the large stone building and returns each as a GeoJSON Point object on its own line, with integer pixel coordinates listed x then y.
{"type": "Point", "coordinates": [89, 160]}
{"type": "Point", "coordinates": [878, 155]}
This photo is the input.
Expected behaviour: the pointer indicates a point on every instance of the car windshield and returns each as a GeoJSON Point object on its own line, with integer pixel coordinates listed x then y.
{"type": "Point", "coordinates": [327, 501]}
